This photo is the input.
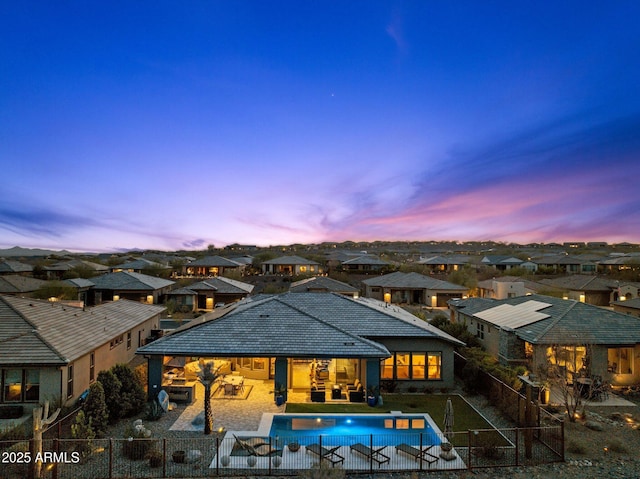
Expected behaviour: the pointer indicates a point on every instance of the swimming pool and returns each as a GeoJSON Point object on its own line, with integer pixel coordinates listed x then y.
{"type": "Point", "coordinates": [345, 429]}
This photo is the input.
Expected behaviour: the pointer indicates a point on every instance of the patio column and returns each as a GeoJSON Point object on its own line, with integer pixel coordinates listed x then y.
{"type": "Point", "coordinates": [154, 376]}
{"type": "Point", "coordinates": [281, 378]}
{"type": "Point", "coordinates": [373, 373]}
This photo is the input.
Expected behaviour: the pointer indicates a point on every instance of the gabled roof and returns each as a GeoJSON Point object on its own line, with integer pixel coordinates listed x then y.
{"type": "Point", "coordinates": [412, 281]}
{"type": "Point", "coordinates": [182, 292]}
{"type": "Point", "coordinates": [79, 282]}
{"type": "Point", "coordinates": [140, 263]}
{"type": "Point", "coordinates": [569, 321]}
{"type": "Point", "coordinates": [222, 285]}
{"type": "Point", "coordinates": [215, 261]}
{"type": "Point", "coordinates": [333, 325]}
{"type": "Point", "coordinates": [10, 266]}
{"type": "Point", "coordinates": [14, 284]}
{"type": "Point", "coordinates": [34, 332]}
{"type": "Point", "coordinates": [581, 282]}
{"type": "Point", "coordinates": [76, 263]}
{"type": "Point", "coordinates": [321, 283]}
{"type": "Point", "coordinates": [128, 281]}
{"type": "Point", "coordinates": [561, 259]}
{"type": "Point", "coordinates": [437, 260]}
{"type": "Point", "coordinates": [290, 260]}
{"type": "Point", "coordinates": [500, 259]}
{"type": "Point", "coordinates": [366, 260]}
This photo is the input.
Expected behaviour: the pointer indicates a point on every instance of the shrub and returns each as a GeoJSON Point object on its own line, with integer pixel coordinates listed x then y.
{"type": "Point", "coordinates": [137, 445]}
{"type": "Point", "coordinates": [132, 395]}
{"type": "Point", "coordinates": [615, 445]}
{"type": "Point", "coordinates": [95, 409]}
{"type": "Point", "coordinates": [112, 387]}
{"type": "Point", "coordinates": [576, 446]}
{"type": "Point", "coordinates": [82, 430]}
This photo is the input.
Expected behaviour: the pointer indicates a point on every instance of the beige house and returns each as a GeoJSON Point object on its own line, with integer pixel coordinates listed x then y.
{"type": "Point", "coordinates": [53, 351]}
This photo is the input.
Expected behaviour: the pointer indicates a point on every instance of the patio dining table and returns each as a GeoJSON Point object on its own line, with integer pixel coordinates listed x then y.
{"type": "Point", "coordinates": [232, 384]}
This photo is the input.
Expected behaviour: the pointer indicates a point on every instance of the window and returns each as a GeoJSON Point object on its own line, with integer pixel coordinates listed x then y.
{"type": "Point", "coordinates": [32, 385]}
{"type": "Point", "coordinates": [479, 330]}
{"type": "Point", "coordinates": [413, 366]}
{"type": "Point", "coordinates": [116, 341]}
{"type": "Point", "coordinates": [620, 360]}
{"type": "Point", "coordinates": [434, 362]}
{"type": "Point", "coordinates": [12, 385]}
{"type": "Point", "coordinates": [129, 340]}
{"type": "Point", "coordinates": [418, 365]}
{"type": "Point", "coordinates": [92, 367]}
{"type": "Point", "coordinates": [70, 381]}
{"type": "Point", "coordinates": [387, 368]}
{"type": "Point", "coordinates": [403, 362]}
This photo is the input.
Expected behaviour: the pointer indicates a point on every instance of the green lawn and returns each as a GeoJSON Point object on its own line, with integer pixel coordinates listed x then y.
{"type": "Point", "coordinates": [465, 417]}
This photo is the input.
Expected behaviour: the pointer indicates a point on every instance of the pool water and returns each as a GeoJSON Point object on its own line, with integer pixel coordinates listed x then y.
{"type": "Point", "coordinates": [345, 429]}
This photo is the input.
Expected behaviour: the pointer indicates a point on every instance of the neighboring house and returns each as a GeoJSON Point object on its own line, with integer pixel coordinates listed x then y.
{"type": "Point", "coordinates": [504, 287]}
{"type": "Point", "coordinates": [124, 285]}
{"type": "Point", "coordinates": [292, 265]}
{"type": "Point", "coordinates": [566, 264]}
{"type": "Point", "coordinates": [218, 290]}
{"type": "Point", "coordinates": [82, 286]}
{"type": "Point", "coordinates": [629, 306]}
{"type": "Point", "coordinates": [15, 267]}
{"type": "Point", "coordinates": [282, 337]}
{"type": "Point", "coordinates": [138, 266]}
{"type": "Point", "coordinates": [364, 264]}
{"type": "Point", "coordinates": [212, 266]}
{"type": "Point", "coordinates": [444, 264]}
{"type": "Point", "coordinates": [620, 262]}
{"type": "Point", "coordinates": [579, 337]}
{"type": "Point", "coordinates": [59, 270]}
{"type": "Point", "coordinates": [584, 288]}
{"type": "Point", "coordinates": [185, 299]}
{"type": "Point", "coordinates": [19, 285]}
{"type": "Point", "coordinates": [501, 262]}
{"type": "Point", "coordinates": [626, 290]}
{"type": "Point", "coordinates": [412, 288]}
{"type": "Point", "coordinates": [51, 351]}
{"type": "Point", "coordinates": [323, 284]}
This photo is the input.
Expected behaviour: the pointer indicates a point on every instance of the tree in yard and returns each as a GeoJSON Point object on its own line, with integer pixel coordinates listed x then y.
{"type": "Point", "coordinates": [208, 375]}
{"type": "Point", "coordinates": [112, 387]}
{"type": "Point", "coordinates": [95, 409]}
{"type": "Point", "coordinates": [132, 395]}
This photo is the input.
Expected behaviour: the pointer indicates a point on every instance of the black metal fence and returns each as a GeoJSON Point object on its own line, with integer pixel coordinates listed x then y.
{"type": "Point", "coordinates": [207, 456]}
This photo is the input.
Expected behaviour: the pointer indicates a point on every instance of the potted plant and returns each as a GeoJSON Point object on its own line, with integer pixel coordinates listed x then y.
{"type": "Point", "coordinates": [294, 446]}
{"type": "Point", "coordinates": [372, 396]}
{"type": "Point", "coordinates": [280, 393]}
{"type": "Point", "coordinates": [178, 456]}
{"type": "Point", "coordinates": [155, 459]}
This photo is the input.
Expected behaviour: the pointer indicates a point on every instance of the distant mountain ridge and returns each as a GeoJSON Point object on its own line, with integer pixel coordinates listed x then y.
{"type": "Point", "coordinates": [18, 251]}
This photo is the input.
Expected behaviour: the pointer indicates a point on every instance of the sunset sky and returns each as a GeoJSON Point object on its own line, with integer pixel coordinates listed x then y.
{"type": "Point", "coordinates": [175, 125]}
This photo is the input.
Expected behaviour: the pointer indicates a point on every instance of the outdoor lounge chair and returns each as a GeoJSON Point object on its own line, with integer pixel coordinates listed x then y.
{"type": "Point", "coordinates": [328, 454]}
{"type": "Point", "coordinates": [259, 449]}
{"type": "Point", "coordinates": [370, 454]}
{"type": "Point", "coordinates": [416, 453]}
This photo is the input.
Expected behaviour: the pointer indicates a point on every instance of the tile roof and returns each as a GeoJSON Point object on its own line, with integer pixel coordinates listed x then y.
{"type": "Point", "coordinates": [222, 285]}
{"type": "Point", "coordinates": [366, 260]}
{"type": "Point", "coordinates": [323, 283]}
{"type": "Point", "coordinates": [437, 260]}
{"type": "Point", "coordinates": [128, 281]}
{"type": "Point", "coordinates": [412, 281]}
{"type": "Point", "coordinates": [333, 325]}
{"type": "Point", "coordinates": [140, 263]}
{"type": "Point", "coordinates": [290, 260]}
{"type": "Point", "coordinates": [10, 266]}
{"type": "Point", "coordinates": [76, 263]}
{"type": "Point", "coordinates": [79, 282]}
{"type": "Point", "coordinates": [43, 332]}
{"type": "Point", "coordinates": [14, 284]}
{"type": "Point", "coordinates": [582, 282]}
{"type": "Point", "coordinates": [569, 321]}
{"type": "Point", "coordinates": [215, 261]}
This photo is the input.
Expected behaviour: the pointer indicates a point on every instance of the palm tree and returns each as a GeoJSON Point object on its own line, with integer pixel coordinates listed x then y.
{"type": "Point", "coordinates": [208, 375]}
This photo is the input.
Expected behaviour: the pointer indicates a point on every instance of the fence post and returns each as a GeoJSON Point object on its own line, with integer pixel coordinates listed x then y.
{"type": "Point", "coordinates": [517, 447]}
{"type": "Point", "coordinates": [269, 455]}
{"type": "Point", "coordinates": [164, 457]}
{"type": "Point", "coordinates": [562, 438]}
{"type": "Point", "coordinates": [469, 436]}
{"type": "Point", "coordinates": [371, 457]}
{"type": "Point", "coordinates": [217, 455]}
{"type": "Point", "coordinates": [56, 465]}
{"type": "Point", "coordinates": [421, 455]}
{"type": "Point", "coordinates": [110, 457]}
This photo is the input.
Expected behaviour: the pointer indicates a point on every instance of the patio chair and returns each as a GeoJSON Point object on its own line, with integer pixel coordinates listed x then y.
{"type": "Point", "coordinates": [416, 453]}
{"type": "Point", "coordinates": [328, 454]}
{"type": "Point", "coordinates": [260, 449]}
{"type": "Point", "coordinates": [251, 441]}
{"type": "Point", "coordinates": [371, 454]}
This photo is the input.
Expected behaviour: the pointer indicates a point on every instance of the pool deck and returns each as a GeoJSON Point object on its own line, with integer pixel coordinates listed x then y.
{"type": "Point", "coordinates": [352, 461]}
